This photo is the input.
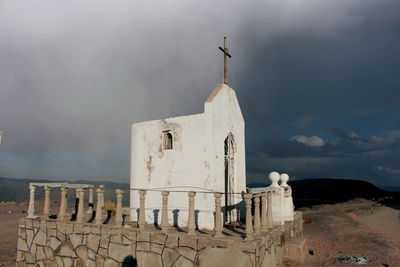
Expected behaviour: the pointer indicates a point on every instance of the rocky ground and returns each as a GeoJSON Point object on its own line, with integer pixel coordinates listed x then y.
{"type": "Point", "coordinates": [358, 228]}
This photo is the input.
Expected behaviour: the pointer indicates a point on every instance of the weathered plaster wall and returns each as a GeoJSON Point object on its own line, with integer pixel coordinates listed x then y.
{"type": "Point", "coordinates": [50, 243]}
{"type": "Point", "coordinates": [196, 161]}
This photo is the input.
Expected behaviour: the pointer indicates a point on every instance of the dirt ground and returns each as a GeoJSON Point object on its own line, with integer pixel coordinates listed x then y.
{"type": "Point", "coordinates": [358, 228]}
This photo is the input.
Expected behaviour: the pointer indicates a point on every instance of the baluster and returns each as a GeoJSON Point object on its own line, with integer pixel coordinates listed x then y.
{"type": "Point", "coordinates": [31, 209]}
{"type": "Point", "coordinates": [90, 201]}
{"type": "Point", "coordinates": [257, 226]}
{"type": "Point", "coordinates": [264, 224]}
{"type": "Point", "coordinates": [99, 212]}
{"type": "Point", "coordinates": [118, 214]}
{"type": "Point", "coordinates": [269, 209]}
{"type": "Point", "coordinates": [142, 214]}
{"type": "Point", "coordinates": [81, 197]}
{"type": "Point", "coordinates": [191, 219]}
{"type": "Point", "coordinates": [249, 223]}
{"type": "Point", "coordinates": [103, 188]}
{"type": "Point", "coordinates": [164, 215]}
{"type": "Point", "coordinates": [63, 205]}
{"type": "Point", "coordinates": [46, 208]}
{"type": "Point", "coordinates": [218, 218]}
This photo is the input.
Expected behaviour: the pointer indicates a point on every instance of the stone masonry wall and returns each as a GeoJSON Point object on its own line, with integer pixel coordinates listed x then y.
{"type": "Point", "coordinates": [52, 243]}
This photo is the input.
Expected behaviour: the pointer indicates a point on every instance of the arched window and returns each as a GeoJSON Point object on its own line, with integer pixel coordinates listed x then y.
{"type": "Point", "coordinates": [167, 142]}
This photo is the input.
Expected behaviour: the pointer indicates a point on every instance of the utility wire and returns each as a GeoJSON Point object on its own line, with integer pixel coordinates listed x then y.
{"type": "Point", "coordinates": [17, 139]}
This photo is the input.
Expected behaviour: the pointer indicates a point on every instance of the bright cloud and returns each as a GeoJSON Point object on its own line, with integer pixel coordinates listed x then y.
{"type": "Point", "coordinates": [314, 141]}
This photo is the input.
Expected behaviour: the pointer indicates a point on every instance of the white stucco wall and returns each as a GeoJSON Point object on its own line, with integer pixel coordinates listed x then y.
{"type": "Point", "coordinates": [196, 161]}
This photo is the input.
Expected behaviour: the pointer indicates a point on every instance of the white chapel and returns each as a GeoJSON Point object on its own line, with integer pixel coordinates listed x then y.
{"type": "Point", "coordinates": [203, 152]}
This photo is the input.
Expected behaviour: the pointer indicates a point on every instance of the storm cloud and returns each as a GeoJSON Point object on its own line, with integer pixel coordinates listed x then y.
{"type": "Point", "coordinates": [76, 74]}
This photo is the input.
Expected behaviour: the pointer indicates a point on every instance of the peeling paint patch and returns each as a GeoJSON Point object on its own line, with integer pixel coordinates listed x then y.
{"type": "Point", "coordinates": [149, 168]}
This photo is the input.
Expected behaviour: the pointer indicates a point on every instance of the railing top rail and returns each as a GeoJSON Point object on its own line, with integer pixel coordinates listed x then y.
{"type": "Point", "coordinates": [204, 191]}
{"type": "Point", "coordinates": [64, 184]}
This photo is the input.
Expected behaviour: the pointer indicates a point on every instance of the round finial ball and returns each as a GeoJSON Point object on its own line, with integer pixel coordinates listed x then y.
{"type": "Point", "coordinates": [274, 177]}
{"type": "Point", "coordinates": [284, 179]}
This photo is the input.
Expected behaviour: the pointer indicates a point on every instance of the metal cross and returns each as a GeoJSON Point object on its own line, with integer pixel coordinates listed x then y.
{"type": "Point", "coordinates": [226, 54]}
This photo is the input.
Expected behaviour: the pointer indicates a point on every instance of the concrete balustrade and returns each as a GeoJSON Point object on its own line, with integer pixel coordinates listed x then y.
{"type": "Point", "coordinates": [257, 225]}
{"type": "Point", "coordinates": [191, 218]}
{"type": "Point", "coordinates": [142, 214]}
{"type": "Point", "coordinates": [118, 212]}
{"type": "Point", "coordinates": [99, 210]}
{"type": "Point", "coordinates": [46, 207]}
{"type": "Point", "coordinates": [218, 217]}
{"type": "Point", "coordinates": [249, 224]}
{"type": "Point", "coordinates": [164, 215]}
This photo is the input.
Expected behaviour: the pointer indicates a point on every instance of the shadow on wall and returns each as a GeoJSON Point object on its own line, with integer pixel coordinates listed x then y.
{"type": "Point", "coordinates": [129, 261]}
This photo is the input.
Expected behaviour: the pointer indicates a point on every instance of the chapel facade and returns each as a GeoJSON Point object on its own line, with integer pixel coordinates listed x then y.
{"type": "Point", "coordinates": [203, 152]}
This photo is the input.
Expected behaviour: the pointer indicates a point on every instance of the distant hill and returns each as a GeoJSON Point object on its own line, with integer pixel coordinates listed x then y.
{"type": "Point", "coordinates": [12, 189]}
{"type": "Point", "coordinates": [310, 192]}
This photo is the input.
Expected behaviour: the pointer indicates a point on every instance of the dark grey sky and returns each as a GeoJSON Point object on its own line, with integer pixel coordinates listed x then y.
{"type": "Point", "coordinates": [318, 82]}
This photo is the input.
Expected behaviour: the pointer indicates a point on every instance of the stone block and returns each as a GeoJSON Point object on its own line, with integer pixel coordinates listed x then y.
{"type": "Point", "coordinates": [49, 252]}
{"type": "Point", "coordinates": [66, 250]}
{"type": "Point", "coordinates": [82, 252]}
{"type": "Point", "coordinates": [93, 242]}
{"type": "Point", "coordinates": [28, 224]}
{"type": "Point", "coordinates": [158, 238]}
{"type": "Point", "coordinates": [143, 246]}
{"type": "Point", "coordinates": [145, 258]}
{"type": "Point", "coordinates": [29, 237]}
{"type": "Point", "coordinates": [94, 229]}
{"type": "Point", "coordinates": [103, 253]}
{"type": "Point", "coordinates": [172, 241]}
{"type": "Point", "coordinates": [22, 246]}
{"type": "Point", "coordinates": [187, 252]}
{"type": "Point", "coordinates": [69, 228]}
{"type": "Point", "coordinates": [118, 252]}
{"type": "Point", "coordinates": [62, 237]}
{"type": "Point", "coordinates": [169, 256]}
{"type": "Point", "coordinates": [99, 261]}
{"type": "Point", "coordinates": [40, 255]}
{"type": "Point", "coordinates": [51, 232]}
{"type": "Point", "coordinates": [51, 225]}
{"type": "Point", "coordinates": [116, 237]}
{"type": "Point", "coordinates": [30, 258]}
{"type": "Point", "coordinates": [54, 243]}
{"type": "Point", "coordinates": [76, 240]}
{"type": "Point", "coordinates": [156, 248]}
{"type": "Point", "coordinates": [143, 236]}
{"type": "Point", "coordinates": [40, 238]}
{"type": "Point", "coordinates": [79, 228]}
{"type": "Point", "coordinates": [91, 255]}
{"type": "Point", "coordinates": [183, 262]}
{"type": "Point", "coordinates": [295, 249]}
{"type": "Point", "coordinates": [35, 223]}
{"type": "Point", "coordinates": [223, 257]}
{"type": "Point", "coordinates": [22, 233]}
{"type": "Point", "coordinates": [61, 228]}
{"type": "Point", "coordinates": [59, 261]}
{"type": "Point", "coordinates": [188, 241]}
{"type": "Point", "coordinates": [110, 263]}
{"type": "Point", "coordinates": [68, 262]}
{"type": "Point", "coordinates": [130, 234]}
{"type": "Point", "coordinates": [20, 255]}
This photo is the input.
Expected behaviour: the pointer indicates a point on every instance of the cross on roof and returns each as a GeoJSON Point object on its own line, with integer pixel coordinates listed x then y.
{"type": "Point", "coordinates": [226, 55]}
